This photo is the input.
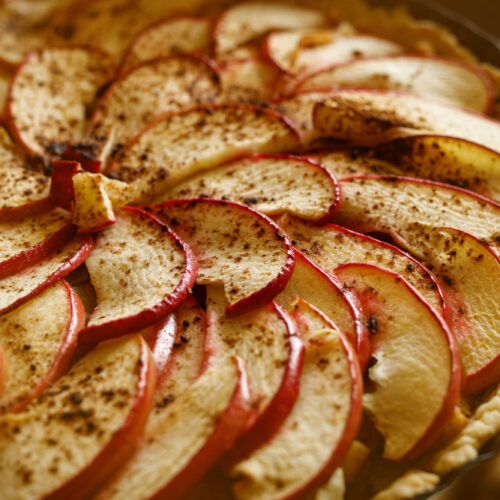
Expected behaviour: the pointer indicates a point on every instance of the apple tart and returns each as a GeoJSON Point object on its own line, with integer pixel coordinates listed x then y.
{"type": "Point", "coordinates": [247, 251]}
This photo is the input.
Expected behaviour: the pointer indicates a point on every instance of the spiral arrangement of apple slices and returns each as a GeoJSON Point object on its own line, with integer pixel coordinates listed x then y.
{"type": "Point", "coordinates": [251, 255]}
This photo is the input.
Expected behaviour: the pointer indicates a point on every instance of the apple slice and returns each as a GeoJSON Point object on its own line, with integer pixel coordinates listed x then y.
{"type": "Point", "coordinates": [22, 188]}
{"type": "Point", "coordinates": [266, 338]}
{"type": "Point", "coordinates": [66, 80]}
{"type": "Point", "coordinates": [91, 421]}
{"type": "Point", "coordinates": [331, 246]}
{"type": "Point", "coordinates": [156, 87]}
{"type": "Point", "coordinates": [327, 413]}
{"type": "Point", "coordinates": [39, 341]}
{"type": "Point", "coordinates": [235, 246]}
{"type": "Point", "coordinates": [248, 80]}
{"type": "Point", "coordinates": [323, 291]}
{"type": "Point", "coordinates": [417, 374]}
{"type": "Point", "coordinates": [304, 52]}
{"type": "Point", "coordinates": [390, 204]}
{"type": "Point", "coordinates": [188, 436]}
{"type": "Point", "coordinates": [182, 144]}
{"type": "Point", "coordinates": [24, 242]}
{"type": "Point", "coordinates": [246, 21]}
{"type": "Point", "coordinates": [460, 84]}
{"type": "Point", "coordinates": [444, 159]}
{"type": "Point", "coordinates": [272, 184]}
{"type": "Point", "coordinates": [165, 37]}
{"type": "Point", "coordinates": [365, 117]}
{"type": "Point", "coordinates": [470, 274]}
{"type": "Point", "coordinates": [140, 271]}
{"type": "Point", "coordinates": [18, 288]}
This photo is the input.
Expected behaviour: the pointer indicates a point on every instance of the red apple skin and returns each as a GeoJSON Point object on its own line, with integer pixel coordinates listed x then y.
{"type": "Point", "coordinates": [26, 210]}
{"type": "Point", "coordinates": [37, 252]}
{"type": "Point", "coordinates": [96, 229]}
{"type": "Point", "coordinates": [352, 424]}
{"type": "Point", "coordinates": [149, 316]}
{"type": "Point", "coordinates": [73, 153]}
{"type": "Point", "coordinates": [229, 426]}
{"type": "Point", "coordinates": [273, 287]}
{"type": "Point", "coordinates": [61, 187]}
{"type": "Point", "coordinates": [77, 258]}
{"type": "Point", "coordinates": [66, 351]}
{"type": "Point", "coordinates": [123, 443]}
{"type": "Point", "coordinates": [453, 393]}
{"type": "Point", "coordinates": [260, 428]}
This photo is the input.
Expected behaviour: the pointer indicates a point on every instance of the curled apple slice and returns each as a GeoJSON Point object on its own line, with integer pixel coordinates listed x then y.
{"type": "Point", "coordinates": [327, 413]}
{"type": "Point", "coordinates": [182, 144]}
{"type": "Point", "coordinates": [245, 21]}
{"type": "Point", "coordinates": [266, 339]}
{"type": "Point", "coordinates": [18, 288]}
{"type": "Point", "coordinates": [307, 51]}
{"type": "Point", "coordinates": [156, 87]}
{"type": "Point", "coordinates": [390, 204]}
{"type": "Point", "coordinates": [235, 246]}
{"type": "Point", "coordinates": [463, 85]}
{"type": "Point", "coordinates": [66, 80]}
{"type": "Point", "coordinates": [26, 241]}
{"type": "Point", "coordinates": [414, 350]}
{"type": "Point", "coordinates": [330, 246]}
{"type": "Point", "coordinates": [272, 184]}
{"type": "Point", "coordinates": [323, 291]}
{"type": "Point", "coordinates": [366, 117]}
{"type": "Point", "coordinates": [140, 271]}
{"type": "Point", "coordinates": [39, 341]}
{"type": "Point", "coordinates": [165, 37]}
{"type": "Point", "coordinates": [191, 433]}
{"type": "Point", "coordinates": [470, 274]}
{"type": "Point", "coordinates": [91, 422]}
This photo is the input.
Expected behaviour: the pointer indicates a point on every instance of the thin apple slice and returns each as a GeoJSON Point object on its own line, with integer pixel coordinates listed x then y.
{"type": "Point", "coordinates": [266, 339]}
{"type": "Point", "coordinates": [470, 274]}
{"type": "Point", "coordinates": [459, 84]}
{"type": "Point", "coordinates": [20, 185]}
{"type": "Point", "coordinates": [182, 144]}
{"type": "Point", "coordinates": [164, 84]}
{"type": "Point", "coordinates": [140, 271]}
{"type": "Point", "coordinates": [66, 80]}
{"type": "Point", "coordinates": [25, 241]}
{"type": "Point", "coordinates": [324, 291]}
{"type": "Point", "coordinates": [444, 159]}
{"type": "Point", "coordinates": [165, 37]}
{"type": "Point", "coordinates": [190, 435]}
{"type": "Point", "coordinates": [18, 288]}
{"type": "Point", "coordinates": [271, 184]}
{"type": "Point", "coordinates": [365, 117]}
{"type": "Point", "coordinates": [248, 80]}
{"type": "Point", "coordinates": [91, 421]}
{"type": "Point", "coordinates": [304, 52]}
{"type": "Point", "coordinates": [246, 21]}
{"type": "Point", "coordinates": [327, 413]}
{"type": "Point", "coordinates": [39, 341]}
{"type": "Point", "coordinates": [330, 246]}
{"type": "Point", "coordinates": [390, 204]}
{"type": "Point", "coordinates": [235, 246]}
{"type": "Point", "coordinates": [417, 372]}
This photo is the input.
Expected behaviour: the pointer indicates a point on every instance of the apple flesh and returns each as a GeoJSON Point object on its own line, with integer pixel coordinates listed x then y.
{"type": "Point", "coordinates": [235, 246]}
{"type": "Point", "coordinates": [330, 246]}
{"type": "Point", "coordinates": [39, 342]}
{"type": "Point", "coordinates": [271, 184]}
{"type": "Point", "coordinates": [327, 413]}
{"type": "Point", "coordinates": [65, 80]}
{"type": "Point", "coordinates": [413, 350]}
{"type": "Point", "coordinates": [324, 292]}
{"type": "Point", "coordinates": [140, 270]}
{"type": "Point", "coordinates": [184, 143]}
{"type": "Point", "coordinates": [92, 418]}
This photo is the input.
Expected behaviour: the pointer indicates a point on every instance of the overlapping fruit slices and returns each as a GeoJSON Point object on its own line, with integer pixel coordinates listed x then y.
{"type": "Point", "coordinates": [248, 256]}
